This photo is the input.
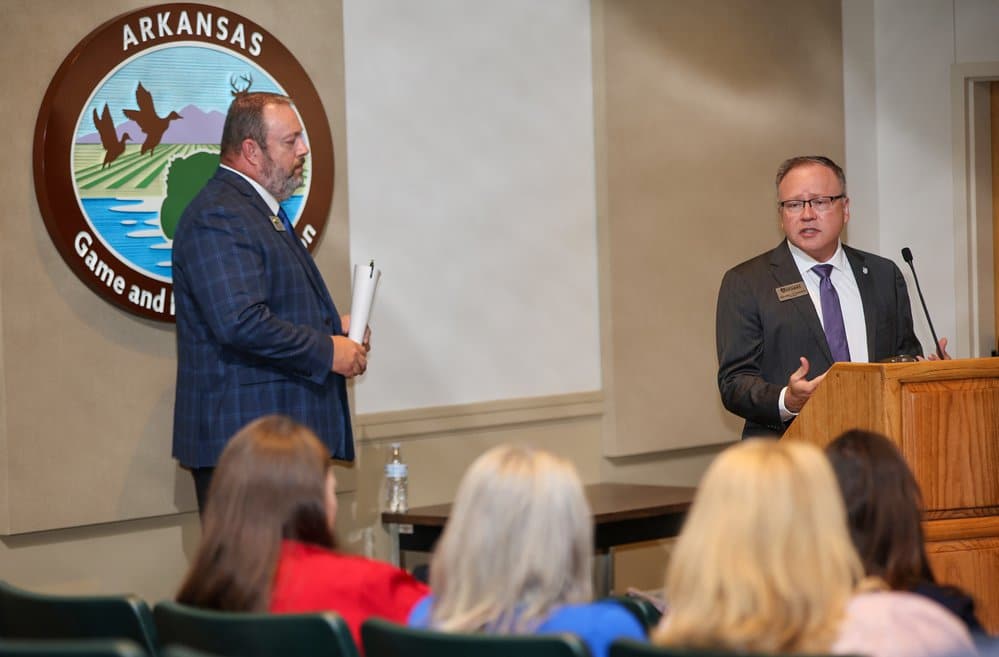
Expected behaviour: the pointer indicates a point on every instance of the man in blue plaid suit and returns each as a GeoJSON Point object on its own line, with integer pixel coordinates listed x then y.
{"type": "Point", "coordinates": [257, 331]}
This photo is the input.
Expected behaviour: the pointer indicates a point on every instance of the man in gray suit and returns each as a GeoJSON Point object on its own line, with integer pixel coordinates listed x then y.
{"type": "Point", "coordinates": [795, 310]}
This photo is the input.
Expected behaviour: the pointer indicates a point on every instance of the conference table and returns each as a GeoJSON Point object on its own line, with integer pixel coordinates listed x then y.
{"type": "Point", "coordinates": [622, 514]}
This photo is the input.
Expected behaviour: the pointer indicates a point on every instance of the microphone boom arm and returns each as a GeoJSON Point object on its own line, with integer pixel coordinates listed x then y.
{"type": "Point", "coordinates": [907, 256]}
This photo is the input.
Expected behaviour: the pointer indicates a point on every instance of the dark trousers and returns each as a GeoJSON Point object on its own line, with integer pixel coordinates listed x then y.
{"type": "Point", "coordinates": [202, 480]}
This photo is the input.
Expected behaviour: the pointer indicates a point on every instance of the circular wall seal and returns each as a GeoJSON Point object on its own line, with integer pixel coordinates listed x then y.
{"type": "Point", "coordinates": [128, 133]}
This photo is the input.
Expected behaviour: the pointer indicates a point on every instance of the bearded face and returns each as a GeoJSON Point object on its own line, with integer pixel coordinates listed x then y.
{"type": "Point", "coordinates": [282, 165]}
{"type": "Point", "coordinates": [282, 181]}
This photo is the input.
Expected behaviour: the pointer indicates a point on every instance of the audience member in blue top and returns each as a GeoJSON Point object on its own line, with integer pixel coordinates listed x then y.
{"type": "Point", "coordinates": [516, 555]}
{"type": "Point", "coordinates": [596, 623]}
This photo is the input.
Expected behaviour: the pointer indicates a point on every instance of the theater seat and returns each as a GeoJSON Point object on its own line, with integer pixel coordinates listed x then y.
{"type": "Point", "coordinates": [381, 638]}
{"type": "Point", "coordinates": [245, 634]}
{"type": "Point", "coordinates": [646, 612]}
{"type": "Point", "coordinates": [70, 648]}
{"type": "Point", "coordinates": [28, 615]}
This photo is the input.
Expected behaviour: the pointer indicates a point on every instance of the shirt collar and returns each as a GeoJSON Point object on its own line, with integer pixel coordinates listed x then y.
{"type": "Point", "coordinates": [269, 199]}
{"type": "Point", "coordinates": [805, 262]}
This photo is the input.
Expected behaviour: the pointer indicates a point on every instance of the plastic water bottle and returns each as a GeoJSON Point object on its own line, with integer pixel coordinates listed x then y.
{"type": "Point", "coordinates": [396, 483]}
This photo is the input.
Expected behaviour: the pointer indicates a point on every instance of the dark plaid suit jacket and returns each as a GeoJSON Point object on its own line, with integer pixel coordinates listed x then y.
{"type": "Point", "coordinates": [760, 338]}
{"type": "Point", "coordinates": [254, 320]}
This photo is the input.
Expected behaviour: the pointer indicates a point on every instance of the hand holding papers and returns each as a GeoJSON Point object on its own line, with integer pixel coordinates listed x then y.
{"type": "Point", "coordinates": [365, 282]}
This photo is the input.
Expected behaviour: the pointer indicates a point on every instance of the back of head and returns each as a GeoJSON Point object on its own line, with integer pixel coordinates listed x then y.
{"type": "Point", "coordinates": [883, 505]}
{"type": "Point", "coordinates": [245, 120]}
{"type": "Point", "coordinates": [764, 562]}
{"type": "Point", "coordinates": [270, 484]}
{"type": "Point", "coordinates": [518, 544]}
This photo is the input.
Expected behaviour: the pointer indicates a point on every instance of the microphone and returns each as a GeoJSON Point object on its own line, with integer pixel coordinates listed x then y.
{"type": "Point", "coordinates": [907, 256]}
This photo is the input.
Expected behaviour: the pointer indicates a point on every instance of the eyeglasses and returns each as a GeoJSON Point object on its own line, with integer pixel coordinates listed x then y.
{"type": "Point", "coordinates": [819, 204]}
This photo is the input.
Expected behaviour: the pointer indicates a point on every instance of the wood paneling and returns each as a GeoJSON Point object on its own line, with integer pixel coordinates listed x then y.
{"type": "Point", "coordinates": [859, 403]}
{"type": "Point", "coordinates": [973, 565]}
{"type": "Point", "coordinates": [944, 417]}
{"type": "Point", "coordinates": [994, 137]}
{"type": "Point", "coordinates": [950, 432]}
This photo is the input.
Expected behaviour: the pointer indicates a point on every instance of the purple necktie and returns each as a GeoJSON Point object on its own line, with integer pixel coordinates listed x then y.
{"type": "Point", "coordinates": [832, 315]}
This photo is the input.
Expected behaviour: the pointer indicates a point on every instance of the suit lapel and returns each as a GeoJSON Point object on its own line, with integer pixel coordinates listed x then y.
{"type": "Point", "coordinates": [785, 272]}
{"type": "Point", "coordinates": [867, 296]}
{"type": "Point", "coordinates": [305, 258]}
{"type": "Point", "coordinates": [291, 241]}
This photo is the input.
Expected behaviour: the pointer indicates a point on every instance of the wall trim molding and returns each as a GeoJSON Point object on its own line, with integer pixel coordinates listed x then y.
{"type": "Point", "coordinates": [414, 423]}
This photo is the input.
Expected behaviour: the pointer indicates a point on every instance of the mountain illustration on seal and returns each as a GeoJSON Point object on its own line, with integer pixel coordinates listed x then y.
{"type": "Point", "coordinates": [198, 127]}
{"type": "Point", "coordinates": [171, 104]}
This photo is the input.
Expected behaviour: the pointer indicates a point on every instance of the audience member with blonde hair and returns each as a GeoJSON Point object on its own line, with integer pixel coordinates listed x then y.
{"type": "Point", "coordinates": [765, 564]}
{"type": "Point", "coordinates": [267, 536]}
{"type": "Point", "coordinates": [516, 555]}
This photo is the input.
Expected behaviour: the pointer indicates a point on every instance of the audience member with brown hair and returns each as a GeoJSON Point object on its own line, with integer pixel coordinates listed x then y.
{"type": "Point", "coordinates": [883, 507]}
{"type": "Point", "coordinates": [267, 536]}
{"type": "Point", "coordinates": [765, 564]}
{"type": "Point", "coordinates": [516, 555]}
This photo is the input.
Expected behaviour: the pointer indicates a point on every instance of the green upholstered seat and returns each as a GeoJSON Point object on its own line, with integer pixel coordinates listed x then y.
{"type": "Point", "coordinates": [245, 634]}
{"type": "Point", "coordinates": [384, 639]}
{"type": "Point", "coordinates": [70, 648]}
{"type": "Point", "coordinates": [646, 612]}
{"type": "Point", "coordinates": [28, 615]}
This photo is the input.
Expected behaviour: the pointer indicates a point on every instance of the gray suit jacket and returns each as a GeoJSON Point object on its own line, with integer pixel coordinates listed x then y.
{"type": "Point", "coordinates": [760, 338]}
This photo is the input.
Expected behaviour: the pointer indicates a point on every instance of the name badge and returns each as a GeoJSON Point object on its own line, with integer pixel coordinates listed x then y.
{"type": "Point", "coordinates": [792, 291]}
{"type": "Point", "coordinates": [277, 223]}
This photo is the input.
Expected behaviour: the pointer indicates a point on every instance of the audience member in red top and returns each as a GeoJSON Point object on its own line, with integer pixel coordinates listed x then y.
{"type": "Point", "coordinates": [267, 536]}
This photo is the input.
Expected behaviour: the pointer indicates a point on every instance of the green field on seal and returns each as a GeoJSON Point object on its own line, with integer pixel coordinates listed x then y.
{"type": "Point", "coordinates": [130, 174]}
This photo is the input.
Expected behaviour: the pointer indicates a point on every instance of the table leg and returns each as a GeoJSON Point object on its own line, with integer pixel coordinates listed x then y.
{"type": "Point", "coordinates": [603, 573]}
{"type": "Point", "coordinates": [395, 556]}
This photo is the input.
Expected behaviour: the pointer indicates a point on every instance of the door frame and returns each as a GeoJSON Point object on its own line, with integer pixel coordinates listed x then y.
{"type": "Point", "coordinates": [972, 156]}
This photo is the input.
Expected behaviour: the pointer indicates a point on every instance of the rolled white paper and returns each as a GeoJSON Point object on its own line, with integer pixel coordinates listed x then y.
{"type": "Point", "coordinates": [363, 297]}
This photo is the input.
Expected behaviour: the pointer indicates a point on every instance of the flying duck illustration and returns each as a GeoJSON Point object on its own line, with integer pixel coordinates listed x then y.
{"type": "Point", "coordinates": [152, 124]}
{"type": "Point", "coordinates": [113, 147]}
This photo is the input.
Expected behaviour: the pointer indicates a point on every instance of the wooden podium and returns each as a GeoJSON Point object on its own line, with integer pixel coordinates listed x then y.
{"type": "Point", "coordinates": [944, 417]}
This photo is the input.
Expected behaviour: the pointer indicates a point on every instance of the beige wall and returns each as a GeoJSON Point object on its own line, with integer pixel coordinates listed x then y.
{"type": "Point", "coordinates": [695, 105]}
{"type": "Point", "coordinates": [698, 104]}
{"type": "Point", "coordinates": [87, 390]}
{"type": "Point", "coordinates": [149, 556]}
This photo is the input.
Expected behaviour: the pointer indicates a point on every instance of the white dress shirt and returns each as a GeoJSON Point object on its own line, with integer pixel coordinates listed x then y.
{"type": "Point", "coordinates": [272, 203]}
{"type": "Point", "coordinates": [849, 301]}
